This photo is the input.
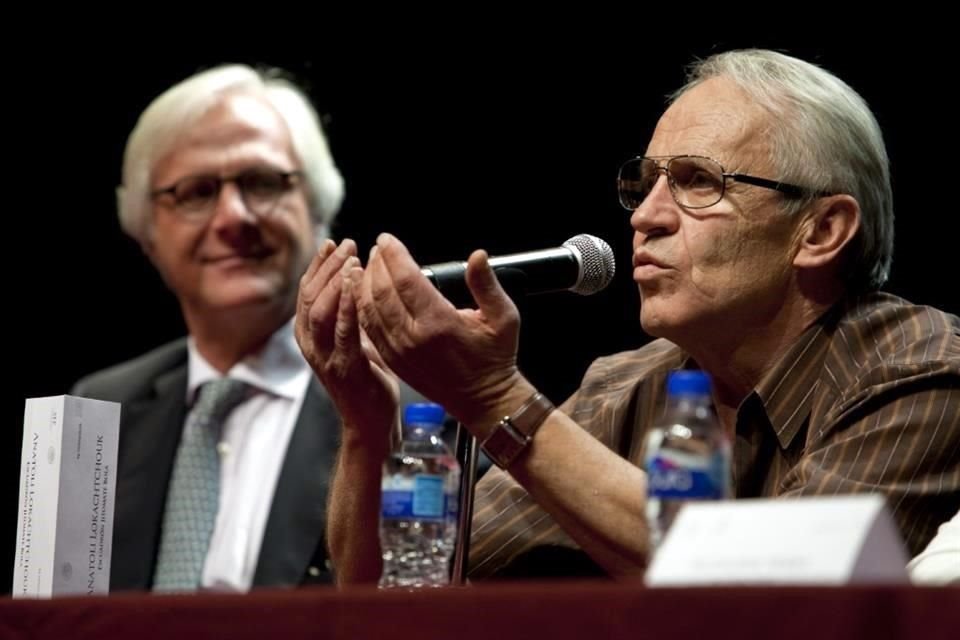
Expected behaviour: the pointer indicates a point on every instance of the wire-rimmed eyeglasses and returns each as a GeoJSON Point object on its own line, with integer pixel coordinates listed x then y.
{"type": "Point", "coordinates": [696, 182]}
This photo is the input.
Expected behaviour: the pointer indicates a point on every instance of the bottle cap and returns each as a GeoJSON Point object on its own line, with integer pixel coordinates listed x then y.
{"type": "Point", "coordinates": [688, 382]}
{"type": "Point", "coordinates": [424, 414]}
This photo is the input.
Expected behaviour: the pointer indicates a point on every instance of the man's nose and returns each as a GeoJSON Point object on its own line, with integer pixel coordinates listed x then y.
{"type": "Point", "coordinates": [658, 213]}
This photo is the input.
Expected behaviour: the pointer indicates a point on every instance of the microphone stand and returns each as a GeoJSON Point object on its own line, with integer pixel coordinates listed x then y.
{"type": "Point", "coordinates": [467, 453]}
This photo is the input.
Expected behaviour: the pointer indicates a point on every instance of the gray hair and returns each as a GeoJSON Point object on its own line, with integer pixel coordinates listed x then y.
{"type": "Point", "coordinates": [157, 132]}
{"type": "Point", "coordinates": [824, 137]}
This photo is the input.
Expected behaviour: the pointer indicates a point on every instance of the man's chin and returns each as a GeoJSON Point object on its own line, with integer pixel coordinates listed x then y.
{"type": "Point", "coordinates": [655, 321]}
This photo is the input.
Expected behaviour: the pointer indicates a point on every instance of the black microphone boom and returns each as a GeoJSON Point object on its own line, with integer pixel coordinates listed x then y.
{"type": "Point", "coordinates": [584, 265]}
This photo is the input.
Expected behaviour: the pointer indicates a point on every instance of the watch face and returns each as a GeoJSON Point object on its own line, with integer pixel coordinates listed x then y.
{"type": "Point", "coordinates": [513, 434]}
{"type": "Point", "coordinates": [504, 443]}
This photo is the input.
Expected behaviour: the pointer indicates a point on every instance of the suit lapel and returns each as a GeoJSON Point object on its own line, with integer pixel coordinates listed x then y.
{"type": "Point", "coordinates": [149, 434]}
{"type": "Point", "coordinates": [294, 546]}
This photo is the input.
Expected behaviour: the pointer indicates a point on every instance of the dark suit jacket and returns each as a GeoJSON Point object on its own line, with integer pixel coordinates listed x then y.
{"type": "Point", "coordinates": [152, 390]}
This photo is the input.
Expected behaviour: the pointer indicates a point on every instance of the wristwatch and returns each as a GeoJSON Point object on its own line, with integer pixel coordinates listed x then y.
{"type": "Point", "coordinates": [513, 433]}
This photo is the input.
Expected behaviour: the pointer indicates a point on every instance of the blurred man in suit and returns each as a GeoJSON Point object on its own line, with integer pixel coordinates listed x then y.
{"type": "Point", "coordinates": [229, 188]}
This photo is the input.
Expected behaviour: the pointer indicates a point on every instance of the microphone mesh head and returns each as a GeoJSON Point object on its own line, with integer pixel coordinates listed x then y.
{"type": "Point", "coordinates": [597, 264]}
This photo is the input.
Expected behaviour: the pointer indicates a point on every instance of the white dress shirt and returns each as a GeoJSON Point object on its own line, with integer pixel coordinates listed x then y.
{"type": "Point", "coordinates": [939, 563]}
{"type": "Point", "coordinates": [252, 447]}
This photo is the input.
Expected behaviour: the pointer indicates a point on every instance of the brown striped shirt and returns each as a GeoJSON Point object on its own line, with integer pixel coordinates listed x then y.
{"type": "Point", "coordinates": [867, 400]}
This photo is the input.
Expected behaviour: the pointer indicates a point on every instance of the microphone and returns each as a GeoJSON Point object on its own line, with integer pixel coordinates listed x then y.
{"type": "Point", "coordinates": [584, 264]}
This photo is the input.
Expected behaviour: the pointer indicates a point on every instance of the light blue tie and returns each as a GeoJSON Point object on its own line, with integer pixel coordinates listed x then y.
{"type": "Point", "coordinates": [194, 492]}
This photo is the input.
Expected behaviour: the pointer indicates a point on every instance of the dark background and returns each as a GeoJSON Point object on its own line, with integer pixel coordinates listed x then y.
{"type": "Point", "coordinates": [450, 148]}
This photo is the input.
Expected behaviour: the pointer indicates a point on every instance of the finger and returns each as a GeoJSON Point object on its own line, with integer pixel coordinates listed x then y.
{"type": "Point", "coordinates": [305, 295]}
{"type": "Point", "coordinates": [375, 294]}
{"type": "Point", "coordinates": [491, 299]}
{"type": "Point", "coordinates": [347, 332]}
{"type": "Point", "coordinates": [323, 312]}
{"type": "Point", "coordinates": [413, 290]}
{"type": "Point", "coordinates": [323, 254]}
{"type": "Point", "coordinates": [321, 318]}
{"type": "Point", "coordinates": [328, 270]}
{"type": "Point", "coordinates": [324, 250]}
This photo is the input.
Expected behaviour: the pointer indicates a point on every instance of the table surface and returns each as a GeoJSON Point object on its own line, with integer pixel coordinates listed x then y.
{"type": "Point", "coordinates": [501, 611]}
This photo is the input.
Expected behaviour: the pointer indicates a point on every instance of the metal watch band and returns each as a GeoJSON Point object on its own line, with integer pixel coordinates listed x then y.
{"type": "Point", "coordinates": [513, 433]}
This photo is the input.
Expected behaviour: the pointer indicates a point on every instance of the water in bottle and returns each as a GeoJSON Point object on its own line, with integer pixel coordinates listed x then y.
{"type": "Point", "coordinates": [687, 454]}
{"type": "Point", "coordinates": [419, 508]}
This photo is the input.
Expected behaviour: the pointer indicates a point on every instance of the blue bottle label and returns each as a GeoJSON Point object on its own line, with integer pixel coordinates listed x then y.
{"type": "Point", "coordinates": [419, 497]}
{"type": "Point", "coordinates": [428, 497]}
{"type": "Point", "coordinates": [687, 479]}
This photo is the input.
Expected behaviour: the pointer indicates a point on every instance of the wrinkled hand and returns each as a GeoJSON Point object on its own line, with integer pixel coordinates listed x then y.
{"type": "Point", "coordinates": [465, 359]}
{"type": "Point", "coordinates": [328, 332]}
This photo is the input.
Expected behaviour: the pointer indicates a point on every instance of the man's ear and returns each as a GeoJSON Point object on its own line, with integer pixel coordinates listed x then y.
{"type": "Point", "coordinates": [829, 226]}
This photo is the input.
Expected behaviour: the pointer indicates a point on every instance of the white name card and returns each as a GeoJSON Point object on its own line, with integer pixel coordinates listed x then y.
{"type": "Point", "coordinates": [68, 473]}
{"type": "Point", "coordinates": [819, 540]}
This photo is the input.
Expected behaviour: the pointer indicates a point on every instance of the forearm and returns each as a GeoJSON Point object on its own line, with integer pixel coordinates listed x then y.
{"type": "Point", "coordinates": [353, 514]}
{"type": "Point", "coordinates": [596, 496]}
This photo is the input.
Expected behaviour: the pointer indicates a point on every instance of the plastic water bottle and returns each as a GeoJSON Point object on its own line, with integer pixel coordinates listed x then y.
{"type": "Point", "coordinates": [420, 506]}
{"type": "Point", "coordinates": [687, 453]}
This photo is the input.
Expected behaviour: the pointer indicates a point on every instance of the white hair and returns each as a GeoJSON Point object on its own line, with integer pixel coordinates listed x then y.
{"type": "Point", "coordinates": [158, 129]}
{"type": "Point", "coordinates": [823, 137]}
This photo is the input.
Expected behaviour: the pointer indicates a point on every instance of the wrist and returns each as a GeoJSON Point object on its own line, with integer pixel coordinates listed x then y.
{"type": "Point", "coordinates": [496, 402]}
{"type": "Point", "coordinates": [359, 443]}
{"type": "Point", "coordinates": [506, 432]}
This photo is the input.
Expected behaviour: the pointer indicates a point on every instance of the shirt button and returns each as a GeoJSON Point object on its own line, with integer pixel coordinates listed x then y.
{"type": "Point", "coordinates": [313, 571]}
{"type": "Point", "coordinates": [223, 449]}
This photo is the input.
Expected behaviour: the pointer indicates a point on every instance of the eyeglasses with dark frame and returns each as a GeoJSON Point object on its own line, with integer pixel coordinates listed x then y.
{"type": "Point", "coordinates": [696, 182]}
{"type": "Point", "coordinates": [261, 189]}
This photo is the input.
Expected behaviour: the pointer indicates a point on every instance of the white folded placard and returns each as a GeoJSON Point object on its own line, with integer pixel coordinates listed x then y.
{"type": "Point", "coordinates": [816, 540]}
{"type": "Point", "coordinates": [67, 481]}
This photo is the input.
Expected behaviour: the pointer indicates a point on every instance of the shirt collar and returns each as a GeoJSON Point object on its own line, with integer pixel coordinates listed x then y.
{"type": "Point", "coordinates": [786, 390]}
{"type": "Point", "coordinates": [277, 368]}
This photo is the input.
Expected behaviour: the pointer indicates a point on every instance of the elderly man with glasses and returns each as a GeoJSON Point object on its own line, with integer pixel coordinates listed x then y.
{"type": "Point", "coordinates": [763, 231]}
{"type": "Point", "coordinates": [227, 440]}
